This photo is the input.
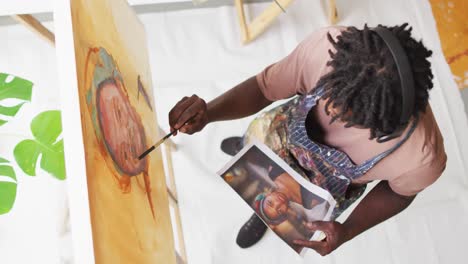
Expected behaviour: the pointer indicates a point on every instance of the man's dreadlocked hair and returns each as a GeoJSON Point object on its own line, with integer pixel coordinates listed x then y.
{"type": "Point", "coordinates": [364, 84]}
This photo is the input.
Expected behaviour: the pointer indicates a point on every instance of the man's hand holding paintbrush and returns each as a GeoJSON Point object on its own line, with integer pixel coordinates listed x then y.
{"type": "Point", "coordinates": [241, 101]}
{"type": "Point", "coordinates": [192, 114]}
{"type": "Point", "coordinates": [188, 116]}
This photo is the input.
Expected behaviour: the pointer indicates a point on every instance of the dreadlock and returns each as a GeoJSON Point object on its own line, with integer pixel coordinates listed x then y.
{"type": "Point", "coordinates": [364, 83]}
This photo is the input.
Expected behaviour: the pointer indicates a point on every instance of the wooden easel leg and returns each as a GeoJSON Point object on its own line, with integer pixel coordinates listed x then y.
{"type": "Point", "coordinates": [170, 170]}
{"type": "Point", "coordinates": [182, 254]}
{"type": "Point", "coordinates": [179, 259]}
{"type": "Point", "coordinates": [33, 24]}
{"type": "Point", "coordinates": [173, 200]}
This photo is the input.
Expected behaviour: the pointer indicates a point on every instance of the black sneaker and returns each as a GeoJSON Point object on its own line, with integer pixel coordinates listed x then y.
{"type": "Point", "coordinates": [251, 232]}
{"type": "Point", "coordinates": [232, 145]}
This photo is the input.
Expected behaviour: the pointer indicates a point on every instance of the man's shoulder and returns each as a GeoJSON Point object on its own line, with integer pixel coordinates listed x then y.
{"type": "Point", "coordinates": [332, 29]}
{"type": "Point", "coordinates": [422, 159]}
{"type": "Point", "coordinates": [322, 32]}
{"type": "Point", "coordinates": [429, 139]}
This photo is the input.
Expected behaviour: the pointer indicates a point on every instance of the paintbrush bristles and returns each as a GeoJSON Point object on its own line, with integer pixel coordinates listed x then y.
{"type": "Point", "coordinates": [146, 153]}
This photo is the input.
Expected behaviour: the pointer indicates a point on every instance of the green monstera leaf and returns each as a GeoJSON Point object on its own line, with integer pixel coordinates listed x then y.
{"type": "Point", "coordinates": [12, 87]}
{"type": "Point", "coordinates": [46, 129]}
{"type": "Point", "coordinates": [7, 186]}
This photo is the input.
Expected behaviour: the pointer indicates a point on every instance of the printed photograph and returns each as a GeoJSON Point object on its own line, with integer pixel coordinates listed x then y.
{"type": "Point", "coordinates": [284, 200]}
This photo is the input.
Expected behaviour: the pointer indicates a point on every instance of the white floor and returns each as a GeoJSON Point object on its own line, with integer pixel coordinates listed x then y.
{"type": "Point", "coordinates": [198, 51]}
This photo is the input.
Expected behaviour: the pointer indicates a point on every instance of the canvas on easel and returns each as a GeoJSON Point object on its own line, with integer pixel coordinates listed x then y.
{"type": "Point", "coordinates": [109, 119]}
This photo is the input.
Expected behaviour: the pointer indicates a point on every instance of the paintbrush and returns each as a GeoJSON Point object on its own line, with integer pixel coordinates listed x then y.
{"type": "Point", "coordinates": [144, 154]}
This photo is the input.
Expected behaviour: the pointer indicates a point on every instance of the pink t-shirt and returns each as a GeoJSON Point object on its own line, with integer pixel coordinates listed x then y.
{"type": "Point", "coordinates": [412, 167]}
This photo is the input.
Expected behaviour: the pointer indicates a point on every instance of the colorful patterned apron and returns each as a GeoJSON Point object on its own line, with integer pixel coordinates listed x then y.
{"type": "Point", "coordinates": [283, 130]}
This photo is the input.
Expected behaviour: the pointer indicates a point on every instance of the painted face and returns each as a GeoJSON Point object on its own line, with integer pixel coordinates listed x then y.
{"type": "Point", "coordinates": [121, 127]}
{"type": "Point", "coordinates": [276, 205]}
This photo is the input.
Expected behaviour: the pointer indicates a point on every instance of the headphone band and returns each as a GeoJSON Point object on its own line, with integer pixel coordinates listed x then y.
{"type": "Point", "coordinates": [406, 78]}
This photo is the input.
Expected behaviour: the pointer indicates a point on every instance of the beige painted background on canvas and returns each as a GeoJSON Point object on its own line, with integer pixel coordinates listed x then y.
{"type": "Point", "coordinates": [124, 230]}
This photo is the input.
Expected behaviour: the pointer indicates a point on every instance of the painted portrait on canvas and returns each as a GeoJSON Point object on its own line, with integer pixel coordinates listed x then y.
{"type": "Point", "coordinates": [127, 196]}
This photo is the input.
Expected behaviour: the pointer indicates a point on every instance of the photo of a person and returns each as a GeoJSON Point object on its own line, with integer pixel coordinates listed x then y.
{"type": "Point", "coordinates": [276, 194]}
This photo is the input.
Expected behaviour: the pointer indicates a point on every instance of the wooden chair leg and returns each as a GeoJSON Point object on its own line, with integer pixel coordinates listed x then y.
{"type": "Point", "coordinates": [267, 17]}
{"type": "Point", "coordinates": [252, 30]}
{"type": "Point", "coordinates": [241, 15]}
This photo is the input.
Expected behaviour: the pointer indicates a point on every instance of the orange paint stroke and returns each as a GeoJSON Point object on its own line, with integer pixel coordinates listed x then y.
{"type": "Point", "coordinates": [148, 192]}
{"type": "Point", "coordinates": [88, 56]}
{"type": "Point", "coordinates": [456, 57]}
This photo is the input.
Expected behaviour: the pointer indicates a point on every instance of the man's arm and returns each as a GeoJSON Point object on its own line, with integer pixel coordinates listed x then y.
{"type": "Point", "coordinates": [297, 73]}
{"type": "Point", "coordinates": [379, 205]}
{"type": "Point", "coordinates": [243, 100]}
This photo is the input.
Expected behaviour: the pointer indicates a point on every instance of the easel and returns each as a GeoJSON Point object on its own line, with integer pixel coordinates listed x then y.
{"type": "Point", "coordinates": [36, 26]}
{"type": "Point", "coordinates": [249, 33]}
{"type": "Point", "coordinates": [252, 30]}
